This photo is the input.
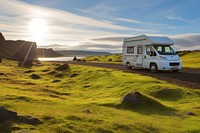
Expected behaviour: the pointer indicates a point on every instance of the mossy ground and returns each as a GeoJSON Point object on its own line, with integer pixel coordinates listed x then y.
{"type": "Point", "coordinates": [191, 60]}
{"type": "Point", "coordinates": [61, 105]}
{"type": "Point", "coordinates": [113, 58]}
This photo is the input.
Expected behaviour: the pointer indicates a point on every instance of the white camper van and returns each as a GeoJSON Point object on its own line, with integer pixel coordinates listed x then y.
{"type": "Point", "coordinates": [151, 52]}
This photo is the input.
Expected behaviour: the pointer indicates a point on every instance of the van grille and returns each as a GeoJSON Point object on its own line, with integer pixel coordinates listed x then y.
{"type": "Point", "coordinates": [174, 64]}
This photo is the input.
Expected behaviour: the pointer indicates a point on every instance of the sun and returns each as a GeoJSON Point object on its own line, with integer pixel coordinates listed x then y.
{"type": "Point", "coordinates": [38, 29]}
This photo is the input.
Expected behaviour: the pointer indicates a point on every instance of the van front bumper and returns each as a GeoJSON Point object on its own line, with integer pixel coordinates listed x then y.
{"type": "Point", "coordinates": [169, 65]}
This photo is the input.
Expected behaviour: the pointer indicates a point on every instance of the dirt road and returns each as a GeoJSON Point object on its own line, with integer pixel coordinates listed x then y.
{"type": "Point", "coordinates": [186, 77]}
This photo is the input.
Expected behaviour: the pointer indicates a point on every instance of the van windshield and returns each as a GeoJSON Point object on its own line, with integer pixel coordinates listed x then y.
{"type": "Point", "coordinates": [164, 50]}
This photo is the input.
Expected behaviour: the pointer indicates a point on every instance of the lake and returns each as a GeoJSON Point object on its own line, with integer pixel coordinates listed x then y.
{"type": "Point", "coordinates": [58, 58]}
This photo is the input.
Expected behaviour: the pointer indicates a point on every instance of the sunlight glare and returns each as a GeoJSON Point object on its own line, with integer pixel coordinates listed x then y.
{"type": "Point", "coordinates": [38, 29]}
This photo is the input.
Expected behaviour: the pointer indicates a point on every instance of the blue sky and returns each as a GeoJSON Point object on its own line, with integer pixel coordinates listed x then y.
{"type": "Point", "coordinates": [100, 25]}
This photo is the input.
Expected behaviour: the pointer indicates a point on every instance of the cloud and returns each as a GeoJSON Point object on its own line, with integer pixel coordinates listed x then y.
{"type": "Point", "coordinates": [187, 41]}
{"type": "Point", "coordinates": [16, 16]}
{"type": "Point", "coordinates": [110, 39]}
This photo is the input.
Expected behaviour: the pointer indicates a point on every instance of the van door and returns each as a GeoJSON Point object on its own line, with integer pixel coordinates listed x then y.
{"type": "Point", "coordinates": [149, 56]}
{"type": "Point", "coordinates": [139, 60]}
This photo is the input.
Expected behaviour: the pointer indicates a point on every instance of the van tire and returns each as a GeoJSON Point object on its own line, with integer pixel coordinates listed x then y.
{"type": "Point", "coordinates": [153, 68]}
{"type": "Point", "coordinates": [128, 65]}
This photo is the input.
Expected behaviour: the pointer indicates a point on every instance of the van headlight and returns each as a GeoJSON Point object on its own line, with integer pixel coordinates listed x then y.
{"type": "Point", "coordinates": [162, 58]}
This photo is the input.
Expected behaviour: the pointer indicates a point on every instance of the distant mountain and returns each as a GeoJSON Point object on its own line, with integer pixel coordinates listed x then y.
{"type": "Point", "coordinates": [43, 52]}
{"type": "Point", "coordinates": [71, 53]}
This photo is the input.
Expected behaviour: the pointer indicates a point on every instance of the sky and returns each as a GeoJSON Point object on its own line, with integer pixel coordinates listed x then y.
{"type": "Point", "coordinates": [99, 25]}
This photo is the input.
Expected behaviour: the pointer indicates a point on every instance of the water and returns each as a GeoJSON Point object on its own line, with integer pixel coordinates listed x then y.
{"type": "Point", "coordinates": [58, 58]}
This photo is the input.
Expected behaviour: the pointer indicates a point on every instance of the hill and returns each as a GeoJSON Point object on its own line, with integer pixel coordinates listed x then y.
{"type": "Point", "coordinates": [79, 53]}
{"type": "Point", "coordinates": [191, 60]}
{"type": "Point", "coordinates": [43, 52]}
{"type": "Point", "coordinates": [88, 99]}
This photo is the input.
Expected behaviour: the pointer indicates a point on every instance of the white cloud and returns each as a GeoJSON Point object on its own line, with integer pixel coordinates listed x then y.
{"type": "Point", "coordinates": [62, 25]}
{"type": "Point", "coordinates": [74, 31]}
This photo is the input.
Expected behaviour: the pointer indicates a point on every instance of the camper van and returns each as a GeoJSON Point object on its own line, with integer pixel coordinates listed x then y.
{"type": "Point", "coordinates": [151, 52]}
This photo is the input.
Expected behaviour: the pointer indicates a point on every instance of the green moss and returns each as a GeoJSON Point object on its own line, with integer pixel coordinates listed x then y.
{"type": "Point", "coordinates": [191, 60]}
{"type": "Point", "coordinates": [61, 105]}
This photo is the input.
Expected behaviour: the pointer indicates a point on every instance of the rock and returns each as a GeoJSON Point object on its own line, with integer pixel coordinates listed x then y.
{"type": "Point", "coordinates": [2, 39]}
{"type": "Point", "coordinates": [59, 75]}
{"type": "Point", "coordinates": [87, 111]}
{"type": "Point", "coordinates": [29, 120]}
{"type": "Point", "coordinates": [191, 113]}
{"type": "Point", "coordinates": [73, 75]}
{"type": "Point", "coordinates": [136, 100]}
{"type": "Point", "coordinates": [52, 72]}
{"type": "Point", "coordinates": [29, 71]}
{"type": "Point", "coordinates": [27, 63]}
{"type": "Point", "coordinates": [35, 76]}
{"type": "Point", "coordinates": [7, 114]}
{"type": "Point", "coordinates": [16, 128]}
{"type": "Point", "coordinates": [56, 80]}
{"type": "Point", "coordinates": [46, 70]}
{"type": "Point", "coordinates": [133, 99]}
{"type": "Point", "coordinates": [2, 73]}
{"type": "Point", "coordinates": [63, 67]}
{"type": "Point", "coordinates": [110, 60]}
{"type": "Point", "coordinates": [75, 59]}
{"type": "Point", "coordinates": [79, 60]}
{"type": "Point", "coordinates": [57, 64]}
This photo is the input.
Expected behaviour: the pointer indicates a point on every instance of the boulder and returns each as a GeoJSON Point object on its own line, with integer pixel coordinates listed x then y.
{"type": "Point", "coordinates": [109, 60]}
{"type": "Point", "coordinates": [2, 74]}
{"type": "Point", "coordinates": [75, 59]}
{"type": "Point", "coordinates": [56, 81]}
{"type": "Point", "coordinates": [138, 100]}
{"type": "Point", "coordinates": [2, 39]}
{"type": "Point", "coordinates": [79, 60]}
{"type": "Point", "coordinates": [191, 113]}
{"type": "Point", "coordinates": [87, 111]}
{"type": "Point", "coordinates": [73, 75]}
{"type": "Point", "coordinates": [7, 114]}
{"type": "Point", "coordinates": [29, 71]}
{"type": "Point", "coordinates": [59, 75]}
{"type": "Point", "coordinates": [29, 120]}
{"type": "Point", "coordinates": [132, 99]}
{"type": "Point", "coordinates": [63, 67]}
{"type": "Point", "coordinates": [35, 76]}
{"type": "Point", "coordinates": [27, 63]}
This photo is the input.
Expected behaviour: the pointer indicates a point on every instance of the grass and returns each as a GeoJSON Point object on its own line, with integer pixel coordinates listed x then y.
{"type": "Point", "coordinates": [114, 58]}
{"type": "Point", "coordinates": [61, 106]}
{"type": "Point", "coordinates": [191, 60]}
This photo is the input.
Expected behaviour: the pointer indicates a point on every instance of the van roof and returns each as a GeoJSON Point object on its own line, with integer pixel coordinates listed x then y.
{"type": "Point", "coordinates": [151, 39]}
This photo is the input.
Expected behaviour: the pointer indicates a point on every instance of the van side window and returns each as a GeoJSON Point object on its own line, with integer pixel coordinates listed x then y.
{"type": "Point", "coordinates": [139, 50]}
{"type": "Point", "coordinates": [130, 49]}
{"type": "Point", "coordinates": [148, 50]}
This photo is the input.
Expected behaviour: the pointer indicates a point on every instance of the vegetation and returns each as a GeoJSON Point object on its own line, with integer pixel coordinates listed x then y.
{"type": "Point", "coordinates": [113, 58]}
{"type": "Point", "coordinates": [87, 99]}
{"type": "Point", "coordinates": [191, 60]}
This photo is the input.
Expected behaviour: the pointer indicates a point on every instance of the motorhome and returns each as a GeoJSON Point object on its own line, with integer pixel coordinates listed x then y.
{"type": "Point", "coordinates": [151, 52]}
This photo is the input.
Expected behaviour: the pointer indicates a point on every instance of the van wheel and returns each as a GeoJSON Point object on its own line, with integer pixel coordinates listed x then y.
{"type": "Point", "coordinates": [153, 68]}
{"type": "Point", "coordinates": [128, 65]}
